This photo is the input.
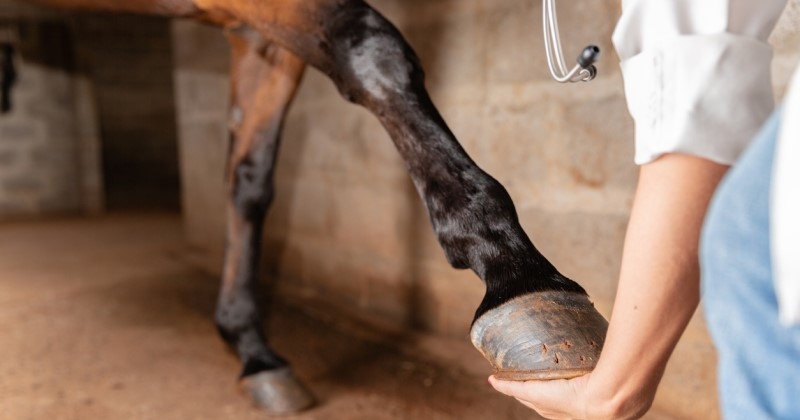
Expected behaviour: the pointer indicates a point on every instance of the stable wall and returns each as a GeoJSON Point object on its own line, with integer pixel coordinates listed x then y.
{"type": "Point", "coordinates": [347, 224]}
{"type": "Point", "coordinates": [93, 121]}
{"type": "Point", "coordinates": [346, 220]}
{"type": "Point", "coordinates": [48, 142]}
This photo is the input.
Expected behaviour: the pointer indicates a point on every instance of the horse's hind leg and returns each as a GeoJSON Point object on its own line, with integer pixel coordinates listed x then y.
{"type": "Point", "coordinates": [264, 80]}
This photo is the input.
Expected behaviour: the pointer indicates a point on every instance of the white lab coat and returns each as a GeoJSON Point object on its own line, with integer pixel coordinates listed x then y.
{"type": "Point", "coordinates": [697, 81]}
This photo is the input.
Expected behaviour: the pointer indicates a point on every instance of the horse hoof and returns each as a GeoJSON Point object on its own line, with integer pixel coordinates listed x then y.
{"type": "Point", "coordinates": [277, 391]}
{"type": "Point", "coordinates": [541, 336]}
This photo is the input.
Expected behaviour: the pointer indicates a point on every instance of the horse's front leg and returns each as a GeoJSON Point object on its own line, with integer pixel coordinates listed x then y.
{"type": "Point", "coordinates": [533, 323]}
{"type": "Point", "coordinates": [264, 79]}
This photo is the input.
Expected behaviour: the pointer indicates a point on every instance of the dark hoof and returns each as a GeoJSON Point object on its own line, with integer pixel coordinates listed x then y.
{"type": "Point", "coordinates": [277, 391]}
{"type": "Point", "coordinates": [541, 336]}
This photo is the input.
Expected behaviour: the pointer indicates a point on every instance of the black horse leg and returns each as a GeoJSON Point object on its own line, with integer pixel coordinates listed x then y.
{"type": "Point", "coordinates": [264, 80]}
{"type": "Point", "coordinates": [533, 322]}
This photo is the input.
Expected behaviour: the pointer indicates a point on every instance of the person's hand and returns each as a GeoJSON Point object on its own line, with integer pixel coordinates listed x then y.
{"type": "Point", "coordinates": [557, 399]}
{"type": "Point", "coordinates": [574, 399]}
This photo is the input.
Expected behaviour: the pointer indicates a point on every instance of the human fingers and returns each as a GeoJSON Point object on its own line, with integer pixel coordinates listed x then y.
{"type": "Point", "coordinates": [514, 389]}
{"type": "Point", "coordinates": [535, 391]}
{"type": "Point", "coordinates": [552, 399]}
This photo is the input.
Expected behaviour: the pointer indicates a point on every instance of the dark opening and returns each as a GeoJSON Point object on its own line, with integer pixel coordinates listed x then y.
{"type": "Point", "coordinates": [129, 60]}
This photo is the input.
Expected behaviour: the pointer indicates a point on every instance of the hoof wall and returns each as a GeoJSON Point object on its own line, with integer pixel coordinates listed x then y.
{"type": "Point", "coordinates": [541, 336]}
{"type": "Point", "coordinates": [277, 391]}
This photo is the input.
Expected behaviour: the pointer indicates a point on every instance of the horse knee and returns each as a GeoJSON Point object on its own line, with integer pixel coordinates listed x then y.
{"type": "Point", "coordinates": [252, 190]}
{"type": "Point", "coordinates": [371, 60]}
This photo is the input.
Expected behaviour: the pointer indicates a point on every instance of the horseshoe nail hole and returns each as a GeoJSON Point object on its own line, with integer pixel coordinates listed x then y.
{"type": "Point", "coordinates": [544, 348]}
{"type": "Point", "coordinates": [582, 359]}
{"type": "Point", "coordinates": [556, 358]}
{"type": "Point", "coordinates": [567, 344]}
{"type": "Point", "coordinates": [592, 343]}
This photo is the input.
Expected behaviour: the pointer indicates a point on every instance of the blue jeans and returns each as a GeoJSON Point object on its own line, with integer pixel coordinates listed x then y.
{"type": "Point", "coordinates": [759, 359]}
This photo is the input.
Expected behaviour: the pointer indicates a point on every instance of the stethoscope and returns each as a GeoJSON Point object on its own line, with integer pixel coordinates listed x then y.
{"type": "Point", "coordinates": [585, 70]}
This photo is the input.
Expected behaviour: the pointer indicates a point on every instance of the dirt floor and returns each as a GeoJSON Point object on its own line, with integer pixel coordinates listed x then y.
{"type": "Point", "coordinates": [105, 318]}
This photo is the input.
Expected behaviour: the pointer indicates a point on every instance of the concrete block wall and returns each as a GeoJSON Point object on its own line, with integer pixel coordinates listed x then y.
{"type": "Point", "coordinates": [347, 224]}
{"type": "Point", "coordinates": [38, 159]}
{"type": "Point", "coordinates": [47, 142]}
{"type": "Point", "coordinates": [201, 58]}
{"type": "Point", "coordinates": [83, 78]}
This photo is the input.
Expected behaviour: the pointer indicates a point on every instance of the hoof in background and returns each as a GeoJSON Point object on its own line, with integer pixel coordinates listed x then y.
{"type": "Point", "coordinates": [541, 336]}
{"type": "Point", "coordinates": [277, 391]}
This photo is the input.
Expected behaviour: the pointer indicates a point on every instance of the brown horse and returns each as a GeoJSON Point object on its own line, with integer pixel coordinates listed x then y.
{"type": "Point", "coordinates": [472, 215]}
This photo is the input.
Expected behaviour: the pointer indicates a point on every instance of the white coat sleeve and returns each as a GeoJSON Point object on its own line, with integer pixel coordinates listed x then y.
{"type": "Point", "coordinates": [697, 74]}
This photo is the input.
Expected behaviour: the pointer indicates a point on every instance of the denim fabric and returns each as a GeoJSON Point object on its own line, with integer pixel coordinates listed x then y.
{"type": "Point", "coordinates": [759, 359]}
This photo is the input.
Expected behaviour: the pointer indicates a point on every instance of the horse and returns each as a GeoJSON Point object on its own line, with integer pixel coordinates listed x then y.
{"type": "Point", "coordinates": [555, 333]}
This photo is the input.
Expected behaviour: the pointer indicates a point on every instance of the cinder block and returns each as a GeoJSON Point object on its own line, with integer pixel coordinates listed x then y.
{"type": "Point", "coordinates": [421, 239]}
{"type": "Point", "coordinates": [22, 185]}
{"type": "Point", "coordinates": [203, 152]}
{"type": "Point", "coordinates": [201, 95]}
{"type": "Point", "coordinates": [8, 158]}
{"type": "Point", "coordinates": [586, 247]}
{"type": "Point", "coordinates": [62, 200]}
{"type": "Point", "coordinates": [466, 119]}
{"type": "Point", "coordinates": [303, 204]}
{"type": "Point", "coordinates": [446, 299]}
{"type": "Point", "coordinates": [450, 41]}
{"type": "Point", "coordinates": [514, 49]}
{"type": "Point", "coordinates": [348, 141]}
{"type": "Point", "coordinates": [600, 146]}
{"type": "Point", "coordinates": [373, 218]}
{"type": "Point", "coordinates": [18, 130]}
{"type": "Point", "coordinates": [519, 147]}
{"type": "Point", "coordinates": [318, 264]}
{"type": "Point", "coordinates": [14, 208]}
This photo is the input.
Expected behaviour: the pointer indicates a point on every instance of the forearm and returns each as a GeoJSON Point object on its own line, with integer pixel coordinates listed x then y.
{"type": "Point", "coordinates": [658, 292]}
{"type": "Point", "coordinates": [659, 281]}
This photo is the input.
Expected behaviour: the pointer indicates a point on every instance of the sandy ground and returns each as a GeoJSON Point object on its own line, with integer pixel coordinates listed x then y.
{"type": "Point", "coordinates": [105, 318]}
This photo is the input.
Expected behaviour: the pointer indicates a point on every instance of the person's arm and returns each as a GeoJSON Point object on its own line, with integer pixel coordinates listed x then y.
{"type": "Point", "coordinates": [697, 83]}
{"type": "Point", "coordinates": [658, 293]}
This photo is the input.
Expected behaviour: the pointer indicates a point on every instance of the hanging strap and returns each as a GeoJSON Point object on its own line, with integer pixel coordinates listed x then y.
{"type": "Point", "coordinates": [8, 76]}
{"type": "Point", "coordinates": [8, 72]}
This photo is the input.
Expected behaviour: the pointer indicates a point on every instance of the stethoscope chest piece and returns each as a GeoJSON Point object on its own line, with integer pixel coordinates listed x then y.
{"type": "Point", "coordinates": [584, 70]}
